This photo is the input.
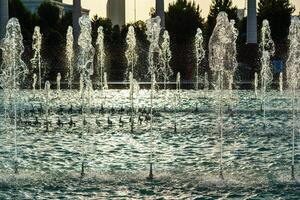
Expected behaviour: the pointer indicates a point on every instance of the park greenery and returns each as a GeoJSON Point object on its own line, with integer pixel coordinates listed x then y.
{"type": "Point", "coordinates": [183, 17]}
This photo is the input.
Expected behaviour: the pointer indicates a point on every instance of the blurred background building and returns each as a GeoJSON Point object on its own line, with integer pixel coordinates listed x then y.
{"type": "Point", "coordinates": [115, 11]}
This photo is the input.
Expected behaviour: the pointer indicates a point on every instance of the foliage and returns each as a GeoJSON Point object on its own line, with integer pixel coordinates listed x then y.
{"type": "Point", "coordinates": [216, 7]}
{"type": "Point", "coordinates": [105, 23]}
{"type": "Point", "coordinates": [182, 20]}
{"type": "Point", "coordinates": [49, 16]}
{"type": "Point", "coordinates": [278, 13]}
{"type": "Point", "coordinates": [26, 19]}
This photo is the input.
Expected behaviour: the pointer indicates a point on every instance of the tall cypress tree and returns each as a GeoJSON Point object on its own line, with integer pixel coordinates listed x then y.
{"type": "Point", "coordinates": [182, 20]}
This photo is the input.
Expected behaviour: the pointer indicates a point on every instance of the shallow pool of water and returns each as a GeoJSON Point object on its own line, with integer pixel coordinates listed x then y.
{"type": "Point", "coordinates": [256, 157]}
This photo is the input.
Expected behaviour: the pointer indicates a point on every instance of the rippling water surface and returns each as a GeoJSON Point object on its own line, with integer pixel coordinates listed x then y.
{"type": "Point", "coordinates": [256, 158]}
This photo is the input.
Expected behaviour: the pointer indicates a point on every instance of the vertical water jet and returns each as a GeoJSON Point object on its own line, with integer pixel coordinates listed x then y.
{"type": "Point", "coordinates": [13, 72]}
{"type": "Point", "coordinates": [293, 77]}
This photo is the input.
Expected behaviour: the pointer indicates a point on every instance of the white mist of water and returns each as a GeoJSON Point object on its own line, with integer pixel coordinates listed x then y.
{"type": "Point", "coordinates": [267, 49]}
{"type": "Point", "coordinates": [222, 61]}
{"type": "Point", "coordinates": [200, 53]}
{"type": "Point", "coordinates": [36, 61]}
{"type": "Point", "coordinates": [47, 94]}
{"type": "Point", "coordinates": [13, 72]}
{"type": "Point", "coordinates": [177, 99]}
{"type": "Point", "coordinates": [155, 53]}
{"type": "Point", "coordinates": [105, 82]}
{"type": "Point", "coordinates": [58, 79]}
{"type": "Point", "coordinates": [34, 80]}
{"type": "Point", "coordinates": [166, 58]}
{"type": "Point", "coordinates": [293, 74]}
{"type": "Point", "coordinates": [85, 67]}
{"type": "Point", "coordinates": [154, 60]}
{"type": "Point", "coordinates": [255, 83]}
{"type": "Point", "coordinates": [131, 53]}
{"type": "Point", "coordinates": [70, 56]}
{"type": "Point", "coordinates": [100, 49]}
{"type": "Point", "coordinates": [281, 83]}
{"type": "Point", "coordinates": [133, 91]}
{"type": "Point", "coordinates": [206, 82]}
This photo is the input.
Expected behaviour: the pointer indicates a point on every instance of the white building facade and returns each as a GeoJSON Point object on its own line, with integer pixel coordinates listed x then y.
{"type": "Point", "coordinates": [251, 22]}
{"type": "Point", "coordinates": [33, 5]}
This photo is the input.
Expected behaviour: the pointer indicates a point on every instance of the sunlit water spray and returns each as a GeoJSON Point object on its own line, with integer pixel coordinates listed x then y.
{"type": "Point", "coordinates": [154, 60]}
{"type": "Point", "coordinates": [222, 61]}
{"type": "Point", "coordinates": [177, 99]}
{"type": "Point", "coordinates": [105, 81]}
{"type": "Point", "coordinates": [267, 49]}
{"type": "Point", "coordinates": [281, 83]}
{"type": "Point", "coordinates": [131, 54]}
{"type": "Point", "coordinates": [200, 53]}
{"type": "Point", "coordinates": [153, 85]}
{"type": "Point", "coordinates": [34, 80]}
{"type": "Point", "coordinates": [80, 83]}
{"type": "Point", "coordinates": [36, 61]}
{"type": "Point", "coordinates": [58, 80]}
{"type": "Point", "coordinates": [13, 72]}
{"type": "Point", "coordinates": [85, 67]}
{"type": "Point", "coordinates": [255, 84]}
{"type": "Point", "coordinates": [47, 103]}
{"type": "Point", "coordinates": [155, 52]}
{"type": "Point", "coordinates": [206, 84]}
{"type": "Point", "coordinates": [293, 75]}
{"type": "Point", "coordinates": [100, 49]}
{"type": "Point", "coordinates": [166, 58]}
{"type": "Point", "coordinates": [133, 92]}
{"type": "Point", "coordinates": [70, 56]}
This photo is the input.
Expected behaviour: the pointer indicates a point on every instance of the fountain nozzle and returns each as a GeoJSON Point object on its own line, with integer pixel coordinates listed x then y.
{"type": "Point", "coordinates": [221, 175]}
{"type": "Point", "coordinates": [150, 177]}
{"type": "Point", "coordinates": [16, 167]}
{"type": "Point", "coordinates": [82, 170]}
{"type": "Point", "coordinates": [293, 172]}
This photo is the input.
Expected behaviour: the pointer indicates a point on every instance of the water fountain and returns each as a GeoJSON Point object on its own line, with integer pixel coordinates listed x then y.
{"type": "Point", "coordinates": [153, 85]}
{"type": "Point", "coordinates": [206, 82]}
{"type": "Point", "coordinates": [177, 98]}
{"type": "Point", "coordinates": [13, 73]}
{"type": "Point", "coordinates": [186, 158]}
{"type": "Point", "coordinates": [281, 83]}
{"type": "Point", "coordinates": [100, 49]}
{"type": "Point", "coordinates": [222, 61]}
{"type": "Point", "coordinates": [200, 53]}
{"type": "Point", "coordinates": [34, 82]}
{"type": "Point", "coordinates": [80, 83]}
{"type": "Point", "coordinates": [47, 102]}
{"type": "Point", "coordinates": [36, 61]}
{"type": "Point", "coordinates": [131, 54]}
{"type": "Point", "coordinates": [105, 82]}
{"type": "Point", "coordinates": [133, 88]}
{"type": "Point", "coordinates": [58, 79]}
{"type": "Point", "coordinates": [166, 58]}
{"type": "Point", "coordinates": [267, 49]}
{"type": "Point", "coordinates": [70, 56]}
{"type": "Point", "coordinates": [85, 67]}
{"type": "Point", "coordinates": [155, 53]}
{"type": "Point", "coordinates": [255, 84]}
{"type": "Point", "coordinates": [230, 92]}
{"type": "Point", "coordinates": [293, 75]}
{"type": "Point", "coordinates": [154, 61]}
{"type": "Point", "coordinates": [132, 58]}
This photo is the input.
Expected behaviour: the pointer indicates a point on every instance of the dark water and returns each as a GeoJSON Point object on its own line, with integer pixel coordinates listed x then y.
{"type": "Point", "coordinates": [256, 158]}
